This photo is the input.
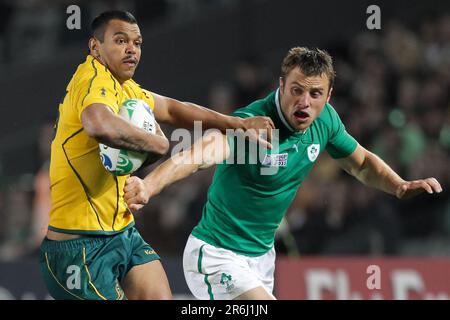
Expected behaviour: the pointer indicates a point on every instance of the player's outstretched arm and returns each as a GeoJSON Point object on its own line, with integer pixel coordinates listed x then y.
{"type": "Point", "coordinates": [106, 127]}
{"type": "Point", "coordinates": [374, 172]}
{"type": "Point", "coordinates": [183, 114]}
{"type": "Point", "coordinates": [212, 149]}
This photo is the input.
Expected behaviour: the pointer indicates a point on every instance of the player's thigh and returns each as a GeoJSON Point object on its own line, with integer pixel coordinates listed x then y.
{"type": "Point", "coordinates": [147, 281]}
{"type": "Point", "coordinates": [145, 277]}
{"type": "Point", "coordinates": [264, 267]}
{"type": "Point", "coordinates": [216, 274]}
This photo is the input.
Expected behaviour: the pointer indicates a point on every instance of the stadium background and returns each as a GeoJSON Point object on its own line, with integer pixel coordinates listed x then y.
{"type": "Point", "coordinates": [392, 91]}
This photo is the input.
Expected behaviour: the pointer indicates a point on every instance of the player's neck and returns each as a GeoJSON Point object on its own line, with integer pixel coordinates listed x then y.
{"type": "Point", "coordinates": [99, 60]}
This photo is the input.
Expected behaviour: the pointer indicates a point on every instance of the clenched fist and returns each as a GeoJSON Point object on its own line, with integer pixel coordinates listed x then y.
{"type": "Point", "coordinates": [136, 193]}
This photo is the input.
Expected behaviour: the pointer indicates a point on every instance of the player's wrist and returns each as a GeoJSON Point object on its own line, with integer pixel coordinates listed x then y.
{"type": "Point", "coordinates": [401, 188]}
{"type": "Point", "coordinates": [150, 187]}
{"type": "Point", "coordinates": [237, 123]}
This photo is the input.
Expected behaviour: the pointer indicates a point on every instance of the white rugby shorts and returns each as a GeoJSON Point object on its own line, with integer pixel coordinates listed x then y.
{"type": "Point", "coordinates": [214, 273]}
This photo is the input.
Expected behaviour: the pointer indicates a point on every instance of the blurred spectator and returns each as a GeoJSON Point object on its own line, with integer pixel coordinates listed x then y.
{"type": "Point", "coordinates": [41, 205]}
{"type": "Point", "coordinates": [221, 98]}
{"type": "Point", "coordinates": [16, 218]}
{"type": "Point", "coordinates": [27, 204]}
{"type": "Point", "coordinates": [402, 48]}
{"type": "Point", "coordinates": [34, 31]}
{"type": "Point", "coordinates": [41, 202]}
{"type": "Point", "coordinates": [251, 81]}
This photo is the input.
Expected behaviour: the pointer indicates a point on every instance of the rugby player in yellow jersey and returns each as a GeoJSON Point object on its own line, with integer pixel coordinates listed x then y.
{"type": "Point", "coordinates": [92, 249]}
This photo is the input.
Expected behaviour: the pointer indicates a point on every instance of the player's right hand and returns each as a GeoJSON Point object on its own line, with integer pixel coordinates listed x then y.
{"type": "Point", "coordinates": [136, 193]}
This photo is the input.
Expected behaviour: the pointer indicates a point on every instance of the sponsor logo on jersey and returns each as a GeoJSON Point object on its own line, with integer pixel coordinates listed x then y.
{"type": "Point", "coordinates": [275, 160]}
{"type": "Point", "coordinates": [313, 152]}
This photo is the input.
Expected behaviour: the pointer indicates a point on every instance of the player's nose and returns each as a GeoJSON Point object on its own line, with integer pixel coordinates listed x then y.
{"type": "Point", "coordinates": [130, 49]}
{"type": "Point", "coordinates": [304, 101]}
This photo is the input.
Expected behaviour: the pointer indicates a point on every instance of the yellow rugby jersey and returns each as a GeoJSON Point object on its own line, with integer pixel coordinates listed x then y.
{"type": "Point", "coordinates": [86, 198]}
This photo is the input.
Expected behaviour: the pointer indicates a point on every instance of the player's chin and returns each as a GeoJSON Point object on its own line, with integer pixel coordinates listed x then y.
{"type": "Point", "coordinates": [127, 74]}
{"type": "Point", "coordinates": [301, 126]}
{"type": "Point", "coordinates": [128, 69]}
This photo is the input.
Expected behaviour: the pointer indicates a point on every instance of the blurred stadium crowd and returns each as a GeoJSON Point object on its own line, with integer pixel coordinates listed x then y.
{"type": "Point", "coordinates": [392, 92]}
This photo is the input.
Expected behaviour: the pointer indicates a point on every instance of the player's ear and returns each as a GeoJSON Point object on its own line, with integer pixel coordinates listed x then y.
{"type": "Point", "coordinates": [329, 94]}
{"type": "Point", "coordinates": [281, 83]}
{"type": "Point", "coordinates": [93, 47]}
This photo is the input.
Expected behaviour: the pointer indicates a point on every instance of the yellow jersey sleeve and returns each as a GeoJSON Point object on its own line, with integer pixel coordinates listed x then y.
{"type": "Point", "coordinates": [98, 86]}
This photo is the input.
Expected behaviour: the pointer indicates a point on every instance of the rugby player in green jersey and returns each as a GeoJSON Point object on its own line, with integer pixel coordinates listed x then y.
{"type": "Point", "coordinates": [230, 253]}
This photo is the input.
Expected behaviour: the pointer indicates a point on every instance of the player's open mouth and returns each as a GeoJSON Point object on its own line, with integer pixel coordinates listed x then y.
{"type": "Point", "coordinates": [301, 115]}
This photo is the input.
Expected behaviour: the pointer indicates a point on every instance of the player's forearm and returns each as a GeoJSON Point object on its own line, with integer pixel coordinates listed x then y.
{"type": "Point", "coordinates": [183, 114]}
{"type": "Point", "coordinates": [375, 173]}
{"type": "Point", "coordinates": [100, 123]}
{"type": "Point", "coordinates": [174, 169]}
{"type": "Point", "coordinates": [210, 150]}
{"type": "Point", "coordinates": [117, 133]}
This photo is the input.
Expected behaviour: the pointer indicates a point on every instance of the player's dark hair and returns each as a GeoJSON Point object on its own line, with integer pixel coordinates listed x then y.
{"type": "Point", "coordinates": [99, 23]}
{"type": "Point", "coordinates": [312, 62]}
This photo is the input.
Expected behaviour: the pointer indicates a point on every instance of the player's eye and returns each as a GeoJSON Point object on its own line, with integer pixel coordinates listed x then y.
{"type": "Point", "coordinates": [316, 94]}
{"type": "Point", "coordinates": [120, 41]}
{"type": "Point", "coordinates": [296, 91]}
{"type": "Point", "coordinates": [138, 43]}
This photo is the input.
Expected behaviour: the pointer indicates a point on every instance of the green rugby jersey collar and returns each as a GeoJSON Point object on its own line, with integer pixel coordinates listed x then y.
{"type": "Point", "coordinates": [283, 118]}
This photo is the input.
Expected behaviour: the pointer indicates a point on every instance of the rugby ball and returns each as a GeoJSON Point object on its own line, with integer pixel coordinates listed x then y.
{"type": "Point", "coordinates": [122, 162]}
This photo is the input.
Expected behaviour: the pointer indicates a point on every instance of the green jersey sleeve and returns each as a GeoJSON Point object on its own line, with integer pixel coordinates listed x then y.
{"type": "Point", "coordinates": [340, 143]}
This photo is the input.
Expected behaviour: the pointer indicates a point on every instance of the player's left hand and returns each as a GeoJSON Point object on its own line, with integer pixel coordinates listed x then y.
{"type": "Point", "coordinates": [412, 188]}
{"type": "Point", "coordinates": [136, 193]}
{"type": "Point", "coordinates": [262, 127]}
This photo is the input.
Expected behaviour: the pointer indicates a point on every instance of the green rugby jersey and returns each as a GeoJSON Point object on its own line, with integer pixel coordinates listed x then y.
{"type": "Point", "coordinates": [244, 207]}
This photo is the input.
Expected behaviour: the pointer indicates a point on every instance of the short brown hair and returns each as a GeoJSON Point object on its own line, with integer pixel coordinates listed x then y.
{"type": "Point", "coordinates": [312, 62]}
